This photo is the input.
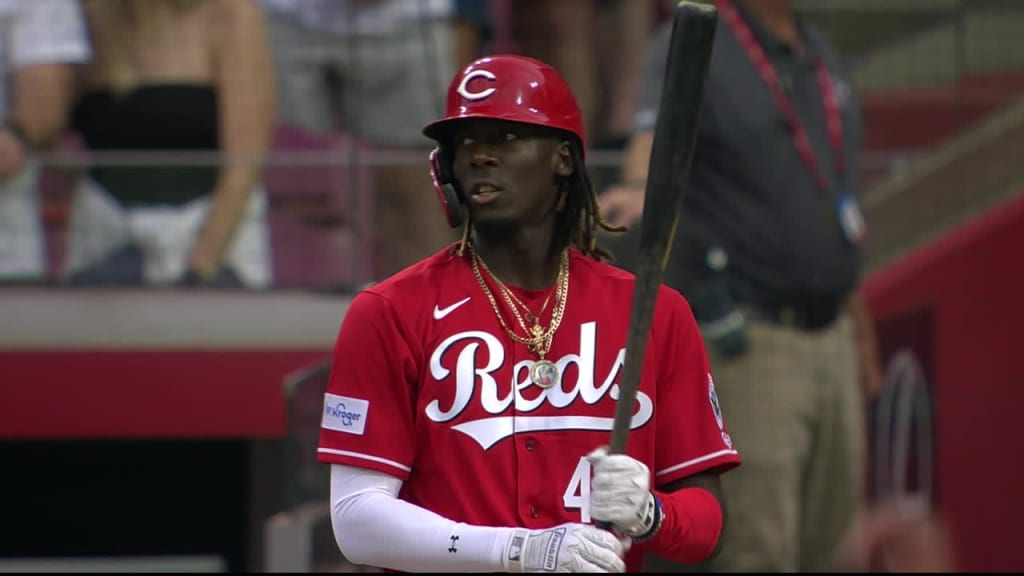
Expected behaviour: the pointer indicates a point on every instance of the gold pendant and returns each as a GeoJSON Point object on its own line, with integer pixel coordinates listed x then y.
{"type": "Point", "coordinates": [537, 330]}
{"type": "Point", "coordinates": [544, 373]}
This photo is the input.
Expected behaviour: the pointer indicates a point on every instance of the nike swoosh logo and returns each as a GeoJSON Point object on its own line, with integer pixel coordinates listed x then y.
{"type": "Point", "coordinates": [440, 313]}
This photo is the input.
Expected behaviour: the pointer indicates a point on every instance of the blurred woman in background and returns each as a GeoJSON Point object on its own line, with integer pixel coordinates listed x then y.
{"type": "Point", "coordinates": [172, 76]}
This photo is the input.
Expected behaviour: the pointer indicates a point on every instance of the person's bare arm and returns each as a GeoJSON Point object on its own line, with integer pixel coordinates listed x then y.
{"type": "Point", "coordinates": [244, 76]}
{"type": "Point", "coordinates": [623, 203]}
{"type": "Point", "coordinates": [904, 534]}
{"type": "Point", "coordinates": [868, 354]}
{"type": "Point", "coordinates": [41, 95]}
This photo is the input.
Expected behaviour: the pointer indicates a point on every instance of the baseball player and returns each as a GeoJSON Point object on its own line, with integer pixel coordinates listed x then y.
{"type": "Point", "coordinates": [471, 393]}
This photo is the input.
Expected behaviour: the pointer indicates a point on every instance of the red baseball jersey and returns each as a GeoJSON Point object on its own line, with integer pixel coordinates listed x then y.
{"type": "Point", "coordinates": [426, 385]}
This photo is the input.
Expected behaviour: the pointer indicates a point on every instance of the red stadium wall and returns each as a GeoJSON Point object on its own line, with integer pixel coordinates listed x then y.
{"type": "Point", "coordinates": [146, 394]}
{"type": "Point", "coordinates": [966, 291]}
{"type": "Point", "coordinates": [923, 116]}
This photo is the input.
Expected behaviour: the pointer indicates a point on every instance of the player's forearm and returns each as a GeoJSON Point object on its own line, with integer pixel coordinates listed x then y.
{"type": "Point", "coordinates": [374, 528]}
{"type": "Point", "coordinates": [691, 526]}
{"type": "Point", "coordinates": [383, 531]}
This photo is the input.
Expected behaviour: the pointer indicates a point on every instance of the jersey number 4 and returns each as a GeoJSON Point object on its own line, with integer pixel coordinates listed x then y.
{"type": "Point", "coordinates": [577, 493]}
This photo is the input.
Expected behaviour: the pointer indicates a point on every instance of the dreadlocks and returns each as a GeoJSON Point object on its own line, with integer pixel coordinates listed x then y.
{"type": "Point", "coordinates": [580, 220]}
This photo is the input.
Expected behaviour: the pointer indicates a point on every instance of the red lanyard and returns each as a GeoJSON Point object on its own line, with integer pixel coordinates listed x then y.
{"type": "Point", "coordinates": [771, 78]}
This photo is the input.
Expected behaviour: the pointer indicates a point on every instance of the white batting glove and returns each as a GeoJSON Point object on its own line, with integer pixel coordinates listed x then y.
{"type": "Point", "coordinates": [620, 495]}
{"type": "Point", "coordinates": [565, 548]}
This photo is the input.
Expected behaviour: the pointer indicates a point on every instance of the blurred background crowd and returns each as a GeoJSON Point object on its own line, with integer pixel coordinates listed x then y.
{"type": "Point", "coordinates": [297, 121]}
{"type": "Point", "coordinates": [275, 146]}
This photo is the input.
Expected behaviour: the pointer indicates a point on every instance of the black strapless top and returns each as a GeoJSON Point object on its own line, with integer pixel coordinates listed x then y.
{"type": "Point", "coordinates": [165, 117]}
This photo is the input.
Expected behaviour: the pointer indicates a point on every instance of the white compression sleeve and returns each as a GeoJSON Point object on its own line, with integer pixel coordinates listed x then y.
{"type": "Point", "coordinates": [374, 528]}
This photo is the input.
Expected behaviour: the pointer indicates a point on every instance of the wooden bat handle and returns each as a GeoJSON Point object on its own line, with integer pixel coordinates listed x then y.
{"type": "Point", "coordinates": [689, 55]}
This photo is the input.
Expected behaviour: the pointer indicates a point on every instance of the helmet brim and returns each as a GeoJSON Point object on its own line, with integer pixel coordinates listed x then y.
{"type": "Point", "coordinates": [441, 130]}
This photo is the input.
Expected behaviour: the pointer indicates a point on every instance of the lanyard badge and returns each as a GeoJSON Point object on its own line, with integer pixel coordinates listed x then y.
{"type": "Point", "coordinates": [851, 220]}
{"type": "Point", "coordinates": [848, 213]}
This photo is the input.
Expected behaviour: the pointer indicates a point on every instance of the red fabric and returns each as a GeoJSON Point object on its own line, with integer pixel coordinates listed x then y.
{"type": "Point", "coordinates": [431, 400]}
{"type": "Point", "coordinates": [691, 526]}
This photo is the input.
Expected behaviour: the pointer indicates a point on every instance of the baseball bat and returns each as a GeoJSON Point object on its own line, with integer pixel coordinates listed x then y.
{"type": "Point", "coordinates": [675, 133]}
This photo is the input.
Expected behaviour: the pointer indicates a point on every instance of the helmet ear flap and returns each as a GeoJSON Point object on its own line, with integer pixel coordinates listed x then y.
{"type": "Point", "coordinates": [447, 188]}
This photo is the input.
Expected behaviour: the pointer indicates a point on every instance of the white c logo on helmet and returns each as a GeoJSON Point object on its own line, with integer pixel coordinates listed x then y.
{"type": "Point", "coordinates": [464, 91]}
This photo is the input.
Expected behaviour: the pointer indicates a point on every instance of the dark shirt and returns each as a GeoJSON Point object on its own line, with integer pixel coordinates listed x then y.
{"type": "Point", "coordinates": [749, 191]}
{"type": "Point", "coordinates": [160, 117]}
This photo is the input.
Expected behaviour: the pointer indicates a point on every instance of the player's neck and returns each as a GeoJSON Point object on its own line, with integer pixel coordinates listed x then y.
{"type": "Point", "coordinates": [778, 18]}
{"type": "Point", "coordinates": [522, 260]}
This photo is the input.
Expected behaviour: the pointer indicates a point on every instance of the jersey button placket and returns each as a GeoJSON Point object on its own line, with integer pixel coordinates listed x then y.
{"type": "Point", "coordinates": [526, 454]}
{"type": "Point", "coordinates": [528, 490]}
{"type": "Point", "coordinates": [531, 446]}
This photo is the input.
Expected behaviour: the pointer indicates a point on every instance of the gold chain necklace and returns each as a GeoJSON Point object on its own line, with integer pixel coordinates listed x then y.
{"type": "Point", "coordinates": [529, 316]}
{"type": "Point", "coordinates": [537, 336]}
{"type": "Point", "coordinates": [543, 372]}
{"type": "Point", "coordinates": [507, 293]}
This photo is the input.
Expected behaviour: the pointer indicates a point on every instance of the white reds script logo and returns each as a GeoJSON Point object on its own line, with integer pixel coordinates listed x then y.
{"type": "Point", "coordinates": [463, 88]}
{"type": "Point", "coordinates": [489, 431]}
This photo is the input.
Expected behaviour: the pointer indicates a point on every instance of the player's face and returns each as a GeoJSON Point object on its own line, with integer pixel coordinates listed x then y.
{"type": "Point", "coordinates": [509, 171]}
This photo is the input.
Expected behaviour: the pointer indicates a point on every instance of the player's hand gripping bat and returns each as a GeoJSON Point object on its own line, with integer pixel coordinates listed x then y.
{"type": "Point", "coordinates": [689, 55]}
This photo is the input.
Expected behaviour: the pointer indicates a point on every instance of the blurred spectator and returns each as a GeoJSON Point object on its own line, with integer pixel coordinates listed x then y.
{"type": "Point", "coordinates": [172, 76]}
{"type": "Point", "coordinates": [901, 535]}
{"type": "Point", "coordinates": [768, 254]}
{"type": "Point", "coordinates": [474, 29]}
{"type": "Point", "coordinates": [599, 46]}
{"type": "Point", "coordinates": [38, 42]}
{"type": "Point", "coordinates": [377, 69]}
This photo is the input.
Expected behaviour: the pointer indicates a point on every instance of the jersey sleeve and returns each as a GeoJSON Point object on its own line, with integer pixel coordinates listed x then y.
{"type": "Point", "coordinates": [368, 413]}
{"type": "Point", "coordinates": [49, 31]}
{"type": "Point", "coordinates": [692, 435]}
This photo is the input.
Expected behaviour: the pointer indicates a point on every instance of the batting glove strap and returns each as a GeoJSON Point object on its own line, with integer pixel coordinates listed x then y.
{"type": "Point", "coordinates": [565, 548]}
{"type": "Point", "coordinates": [514, 550]}
{"type": "Point", "coordinates": [653, 518]}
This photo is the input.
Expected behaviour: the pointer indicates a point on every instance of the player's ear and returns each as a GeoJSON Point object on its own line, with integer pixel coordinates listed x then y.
{"type": "Point", "coordinates": [564, 164]}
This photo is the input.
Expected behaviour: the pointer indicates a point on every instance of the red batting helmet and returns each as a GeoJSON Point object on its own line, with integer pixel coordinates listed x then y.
{"type": "Point", "coordinates": [513, 88]}
{"type": "Point", "coordinates": [501, 87]}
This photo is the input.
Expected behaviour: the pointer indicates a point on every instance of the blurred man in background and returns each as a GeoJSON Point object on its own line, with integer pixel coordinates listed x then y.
{"type": "Point", "coordinates": [768, 254]}
{"type": "Point", "coordinates": [599, 46]}
{"type": "Point", "coordinates": [39, 41]}
{"type": "Point", "coordinates": [374, 70]}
